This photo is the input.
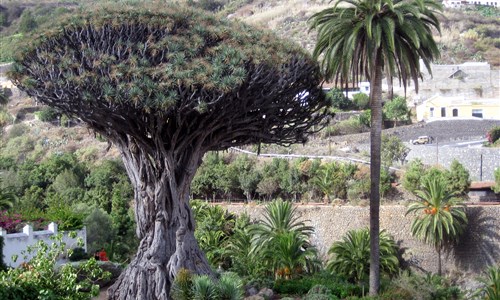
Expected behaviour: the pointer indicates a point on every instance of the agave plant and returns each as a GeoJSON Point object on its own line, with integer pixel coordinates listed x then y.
{"type": "Point", "coordinates": [351, 255]}
{"type": "Point", "coordinates": [440, 216]}
{"type": "Point", "coordinates": [181, 289]}
{"type": "Point", "coordinates": [230, 287]}
{"type": "Point", "coordinates": [203, 288]}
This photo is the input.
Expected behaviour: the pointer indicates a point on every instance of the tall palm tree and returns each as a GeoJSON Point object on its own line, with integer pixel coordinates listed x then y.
{"type": "Point", "coordinates": [369, 38]}
{"type": "Point", "coordinates": [441, 217]}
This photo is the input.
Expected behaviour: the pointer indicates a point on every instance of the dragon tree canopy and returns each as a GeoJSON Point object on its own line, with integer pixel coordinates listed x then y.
{"type": "Point", "coordinates": [174, 72]}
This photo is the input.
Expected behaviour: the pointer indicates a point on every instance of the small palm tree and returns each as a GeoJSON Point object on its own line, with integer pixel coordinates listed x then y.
{"type": "Point", "coordinates": [283, 239]}
{"type": "Point", "coordinates": [491, 284]}
{"type": "Point", "coordinates": [279, 217]}
{"type": "Point", "coordinates": [441, 217]}
{"type": "Point", "coordinates": [351, 255]}
{"type": "Point", "coordinates": [291, 255]}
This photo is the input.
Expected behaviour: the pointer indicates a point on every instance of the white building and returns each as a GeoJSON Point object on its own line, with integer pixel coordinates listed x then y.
{"type": "Point", "coordinates": [462, 3]}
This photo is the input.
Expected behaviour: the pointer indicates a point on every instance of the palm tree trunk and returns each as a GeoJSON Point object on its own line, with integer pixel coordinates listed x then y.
{"type": "Point", "coordinates": [375, 145]}
{"type": "Point", "coordinates": [439, 260]}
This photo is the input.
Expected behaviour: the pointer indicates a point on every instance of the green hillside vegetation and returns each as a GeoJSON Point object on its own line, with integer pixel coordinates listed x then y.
{"type": "Point", "coordinates": [472, 34]}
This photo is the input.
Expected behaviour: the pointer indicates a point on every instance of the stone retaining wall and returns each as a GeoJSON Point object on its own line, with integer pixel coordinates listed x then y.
{"type": "Point", "coordinates": [478, 248]}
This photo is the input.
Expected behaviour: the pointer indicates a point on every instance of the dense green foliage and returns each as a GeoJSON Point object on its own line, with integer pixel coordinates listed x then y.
{"type": "Point", "coordinates": [240, 177]}
{"type": "Point", "coordinates": [332, 285]}
{"type": "Point", "coordinates": [361, 100]}
{"type": "Point", "coordinates": [457, 178]}
{"type": "Point", "coordinates": [496, 187]}
{"type": "Point", "coordinates": [396, 110]}
{"type": "Point", "coordinates": [338, 99]}
{"type": "Point", "coordinates": [201, 287]}
{"type": "Point", "coordinates": [41, 278]}
{"type": "Point", "coordinates": [393, 150]}
{"type": "Point", "coordinates": [409, 285]}
{"type": "Point", "coordinates": [64, 190]}
{"type": "Point", "coordinates": [351, 256]}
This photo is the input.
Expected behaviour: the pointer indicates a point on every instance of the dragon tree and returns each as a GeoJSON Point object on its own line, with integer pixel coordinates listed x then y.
{"type": "Point", "coordinates": [166, 85]}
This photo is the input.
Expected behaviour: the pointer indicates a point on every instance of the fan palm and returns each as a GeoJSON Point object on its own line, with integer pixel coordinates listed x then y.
{"type": "Point", "coordinates": [441, 217]}
{"type": "Point", "coordinates": [369, 38]}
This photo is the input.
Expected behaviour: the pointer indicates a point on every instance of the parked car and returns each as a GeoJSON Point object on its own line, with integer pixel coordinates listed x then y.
{"type": "Point", "coordinates": [424, 139]}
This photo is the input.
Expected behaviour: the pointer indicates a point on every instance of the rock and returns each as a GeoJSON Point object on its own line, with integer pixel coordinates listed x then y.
{"type": "Point", "coordinates": [251, 291]}
{"type": "Point", "coordinates": [254, 297]}
{"type": "Point", "coordinates": [266, 293]}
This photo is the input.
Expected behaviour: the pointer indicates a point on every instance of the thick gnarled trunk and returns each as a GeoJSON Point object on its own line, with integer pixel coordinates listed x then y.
{"type": "Point", "coordinates": [165, 224]}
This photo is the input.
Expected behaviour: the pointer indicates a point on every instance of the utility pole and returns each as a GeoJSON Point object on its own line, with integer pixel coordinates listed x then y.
{"type": "Point", "coordinates": [481, 169]}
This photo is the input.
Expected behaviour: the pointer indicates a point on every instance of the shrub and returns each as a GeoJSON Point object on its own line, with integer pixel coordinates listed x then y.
{"type": "Point", "coordinates": [27, 22]}
{"type": "Point", "coordinates": [457, 178]}
{"type": "Point", "coordinates": [496, 187]}
{"type": "Point", "coordinates": [416, 286]}
{"type": "Point", "coordinates": [40, 278]}
{"type": "Point", "coordinates": [338, 99]}
{"type": "Point", "coordinates": [78, 254]}
{"type": "Point", "coordinates": [493, 134]}
{"type": "Point", "coordinates": [47, 114]}
{"type": "Point", "coordinates": [181, 288]}
{"type": "Point", "coordinates": [396, 110]}
{"type": "Point", "coordinates": [335, 285]}
{"type": "Point", "coordinates": [5, 118]}
{"type": "Point", "coordinates": [361, 100]}
{"type": "Point", "coordinates": [393, 150]}
{"type": "Point", "coordinates": [412, 177]}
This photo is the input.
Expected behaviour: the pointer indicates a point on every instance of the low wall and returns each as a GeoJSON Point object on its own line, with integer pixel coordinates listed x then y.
{"type": "Point", "coordinates": [478, 248]}
{"type": "Point", "coordinates": [15, 243]}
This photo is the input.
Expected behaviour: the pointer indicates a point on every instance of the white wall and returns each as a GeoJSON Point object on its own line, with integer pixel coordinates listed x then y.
{"type": "Point", "coordinates": [15, 243]}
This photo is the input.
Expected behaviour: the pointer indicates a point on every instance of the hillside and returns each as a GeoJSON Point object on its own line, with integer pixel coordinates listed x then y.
{"type": "Point", "coordinates": [466, 35]}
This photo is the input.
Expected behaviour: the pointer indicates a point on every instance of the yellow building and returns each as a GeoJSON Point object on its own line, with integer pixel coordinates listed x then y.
{"type": "Point", "coordinates": [440, 107]}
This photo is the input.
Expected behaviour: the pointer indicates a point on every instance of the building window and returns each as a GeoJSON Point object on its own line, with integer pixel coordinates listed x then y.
{"type": "Point", "coordinates": [443, 112]}
{"type": "Point", "coordinates": [432, 112]}
{"type": "Point", "coordinates": [455, 112]}
{"type": "Point", "coordinates": [478, 113]}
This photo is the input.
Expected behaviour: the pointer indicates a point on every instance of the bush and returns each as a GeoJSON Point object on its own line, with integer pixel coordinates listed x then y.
{"type": "Point", "coordinates": [457, 178]}
{"type": "Point", "coordinates": [412, 177]}
{"type": "Point", "coordinates": [40, 278]}
{"type": "Point", "coordinates": [496, 187]}
{"type": "Point", "coordinates": [416, 286]}
{"type": "Point", "coordinates": [78, 254]}
{"type": "Point", "coordinates": [338, 99]}
{"type": "Point", "coordinates": [335, 285]}
{"type": "Point", "coordinates": [47, 114]}
{"type": "Point", "coordinates": [493, 135]}
{"type": "Point", "coordinates": [361, 100]}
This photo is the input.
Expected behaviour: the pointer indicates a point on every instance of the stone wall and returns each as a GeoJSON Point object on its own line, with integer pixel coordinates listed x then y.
{"type": "Point", "coordinates": [478, 248]}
